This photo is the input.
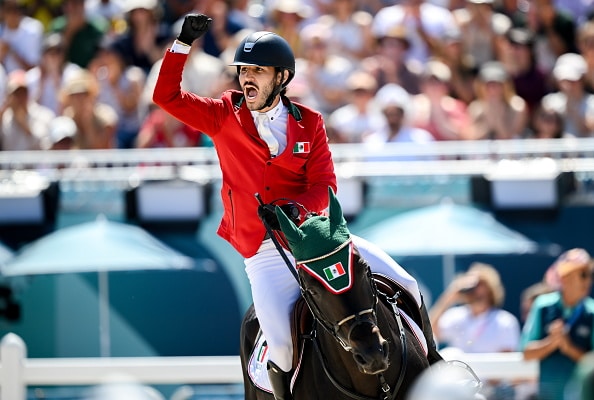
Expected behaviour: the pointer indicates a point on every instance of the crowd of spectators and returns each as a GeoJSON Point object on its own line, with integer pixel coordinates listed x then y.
{"type": "Point", "coordinates": [379, 71]}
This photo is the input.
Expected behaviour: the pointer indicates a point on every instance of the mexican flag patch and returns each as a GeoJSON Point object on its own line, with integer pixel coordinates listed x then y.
{"type": "Point", "coordinates": [301, 148]}
{"type": "Point", "coordinates": [334, 271]}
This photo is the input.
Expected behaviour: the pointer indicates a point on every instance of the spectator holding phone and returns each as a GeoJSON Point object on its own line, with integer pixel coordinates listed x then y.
{"type": "Point", "coordinates": [468, 315]}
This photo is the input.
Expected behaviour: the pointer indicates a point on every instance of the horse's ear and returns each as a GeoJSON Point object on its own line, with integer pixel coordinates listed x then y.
{"type": "Point", "coordinates": [291, 231]}
{"type": "Point", "coordinates": [335, 210]}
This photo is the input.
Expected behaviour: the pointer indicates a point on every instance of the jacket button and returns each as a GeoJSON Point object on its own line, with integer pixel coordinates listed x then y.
{"type": "Point", "coordinates": [267, 188]}
{"type": "Point", "coordinates": [268, 163]}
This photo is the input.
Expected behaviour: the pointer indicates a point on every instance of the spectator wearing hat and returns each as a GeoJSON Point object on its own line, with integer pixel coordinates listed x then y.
{"type": "Point", "coordinates": [547, 123]}
{"type": "Point", "coordinates": [24, 124]}
{"type": "Point", "coordinates": [20, 38]}
{"type": "Point", "coordinates": [559, 330]}
{"type": "Point", "coordinates": [468, 315]}
{"type": "Point", "coordinates": [81, 34]}
{"type": "Point", "coordinates": [358, 118]}
{"type": "Point", "coordinates": [96, 122]}
{"type": "Point", "coordinates": [350, 29]}
{"type": "Point", "coordinates": [498, 113]}
{"type": "Point", "coordinates": [519, 60]}
{"type": "Point", "coordinates": [571, 99]}
{"type": "Point", "coordinates": [435, 110]}
{"type": "Point", "coordinates": [62, 132]}
{"type": "Point", "coordinates": [481, 30]}
{"type": "Point", "coordinates": [425, 24]}
{"type": "Point", "coordinates": [46, 79]}
{"type": "Point", "coordinates": [394, 103]}
{"type": "Point", "coordinates": [389, 63]}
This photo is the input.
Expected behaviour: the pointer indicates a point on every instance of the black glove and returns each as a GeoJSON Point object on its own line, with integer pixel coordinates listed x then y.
{"type": "Point", "coordinates": [267, 214]}
{"type": "Point", "coordinates": [194, 26]}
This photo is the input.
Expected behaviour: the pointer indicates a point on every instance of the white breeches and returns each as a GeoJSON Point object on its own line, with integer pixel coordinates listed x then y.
{"type": "Point", "coordinates": [275, 291]}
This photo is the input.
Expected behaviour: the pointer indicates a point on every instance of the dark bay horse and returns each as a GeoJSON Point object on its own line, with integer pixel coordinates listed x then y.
{"type": "Point", "coordinates": [351, 340]}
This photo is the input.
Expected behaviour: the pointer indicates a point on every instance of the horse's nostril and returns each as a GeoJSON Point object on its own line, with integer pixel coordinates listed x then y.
{"type": "Point", "coordinates": [385, 347]}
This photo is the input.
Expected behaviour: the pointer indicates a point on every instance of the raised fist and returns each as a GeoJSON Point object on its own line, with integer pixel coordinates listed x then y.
{"type": "Point", "coordinates": [194, 26]}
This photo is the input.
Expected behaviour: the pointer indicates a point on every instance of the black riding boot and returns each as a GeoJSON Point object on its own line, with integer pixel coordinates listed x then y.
{"type": "Point", "coordinates": [433, 355]}
{"type": "Point", "coordinates": [279, 380]}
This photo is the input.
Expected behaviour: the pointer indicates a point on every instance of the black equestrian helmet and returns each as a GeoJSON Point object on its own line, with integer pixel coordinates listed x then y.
{"type": "Point", "coordinates": [265, 49]}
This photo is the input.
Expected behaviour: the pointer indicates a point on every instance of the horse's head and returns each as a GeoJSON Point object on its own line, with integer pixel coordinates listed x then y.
{"type": "Point", "coordinates": [336, 284]}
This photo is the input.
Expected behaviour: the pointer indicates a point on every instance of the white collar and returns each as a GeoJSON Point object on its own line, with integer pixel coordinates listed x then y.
{"type": "Point", "coordinates": [273, 113]}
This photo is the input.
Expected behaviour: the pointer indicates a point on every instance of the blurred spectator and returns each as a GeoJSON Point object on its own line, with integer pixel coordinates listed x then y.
{"type": "Point", "coordinates": [554, 32]}
{"type": "Point", "coordinates": [62, 132]}
{"type": "Point", "coordinates": [445, 117]}
{"type": "Point", "coordinates": [389, 64]}
{"type": "Point", "coordinates": [572, 100]}
{"type": "Point", "coordinates": [394, 103]}
{"type": "Point", "coordinates": [81, 35]}
{"type": "Point", "coordinates": [286, 18]}
{"type": "Point", "coordinates": [530, 294]}
{"type": "Point", "coordinates": [585, 43]}
{"type": "Point", "coordinates": [20, 37]}
{"type": "Point", "coordinates": [425, 25]}
{"type": "Point", "coordinates": [96, 123]}
{"type": "Point", "coordinates": [498, 112]}
{"type": "Point", "coordinates": [201, 72]}
{"type": "Point", "coordinates": [24, 122]}
{"type": "Point", "coordinates": [560, 326]}
{"type": "Point", "coordinates": [120, 87]}
{"type": "Point", "coordinates": [326, 74]}
{"type": "Point", "coordinates": [468, 315]}
{"type": "Point", "coordinates": [519, 60]}
{"type": "Point", "coordinates": [481, 30]}
{"type": "Point", "coordinates": [547, 123]}
{"type": "Point", "coordinates": [462, 66]}
{"type": "Point", "coordinates": [110, 10]}
{"type": "Point", "coordinates": [144, 40]}
{"type": "Point", "coordinates": [43, 10]}
{"type": "Point", "coordinates": [578, 9]}
{"type": "Point", "coordinates": [221, 30]}
{"type": "Point", "coordinates": [350, 29]}
{"type": "Point", "coordinates": [351, 122]}
{"type": "Point", "coordinates": [160, 129]}
{"type": "Point", "coordinates": [173, 10]}
{"type": "Point", "coordinates": [46, 79]}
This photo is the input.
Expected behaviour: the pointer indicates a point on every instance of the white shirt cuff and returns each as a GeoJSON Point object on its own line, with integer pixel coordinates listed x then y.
{"type": "Point", "coordinates": [179, 47]}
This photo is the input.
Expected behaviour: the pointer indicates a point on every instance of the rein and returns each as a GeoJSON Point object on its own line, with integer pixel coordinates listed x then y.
{"type": "Point", "coordinates": [392, 300]}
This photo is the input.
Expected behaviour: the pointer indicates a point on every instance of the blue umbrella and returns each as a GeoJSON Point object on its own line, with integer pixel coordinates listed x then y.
{"type": "Point", "coordinates": [446, 229]}
{"type": "Point", "coordinates": [98, 246]}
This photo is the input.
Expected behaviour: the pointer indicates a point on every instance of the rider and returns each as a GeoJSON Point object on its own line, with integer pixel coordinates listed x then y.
{"type": "Point", "coordinates": [269, 145]}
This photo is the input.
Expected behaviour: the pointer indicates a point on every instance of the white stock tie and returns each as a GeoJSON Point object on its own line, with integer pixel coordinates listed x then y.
{"type": "Point", "coordinates": [266, 134]}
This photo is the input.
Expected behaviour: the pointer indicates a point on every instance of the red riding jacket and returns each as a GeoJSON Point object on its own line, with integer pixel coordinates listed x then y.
{"type": "Point", "coordinates": [301, 173]}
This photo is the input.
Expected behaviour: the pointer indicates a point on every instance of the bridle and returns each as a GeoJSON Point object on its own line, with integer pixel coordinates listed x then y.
{"type": "Point", "coordinates": [334, 328]}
